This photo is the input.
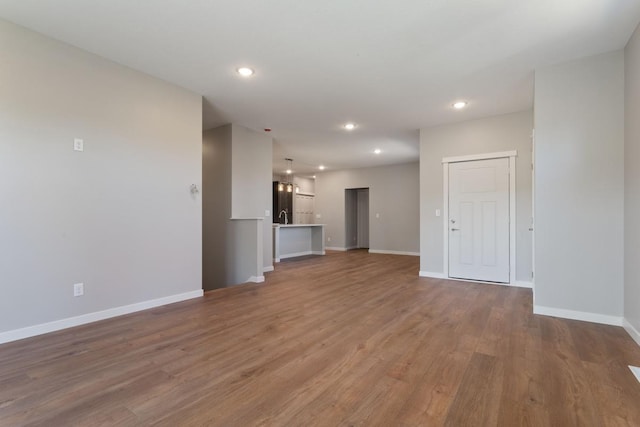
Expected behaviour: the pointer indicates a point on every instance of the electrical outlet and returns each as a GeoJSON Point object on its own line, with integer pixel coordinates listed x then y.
{"type": "Point", "coordinates": [78, 289]}
{"type": "Point", "coordinates": [328, 239]}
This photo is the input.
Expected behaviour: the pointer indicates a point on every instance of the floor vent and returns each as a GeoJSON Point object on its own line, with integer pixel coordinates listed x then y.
{"type": "Point", "coordinates": [636, 371]}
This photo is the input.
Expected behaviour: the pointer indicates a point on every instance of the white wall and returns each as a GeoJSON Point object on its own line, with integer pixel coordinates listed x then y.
{"type": "Point", "coordinates": [251, 160]}
{"type": "Point", "coordinates": [579, 179]}
{"type": "Point", "coordinates": [632, 184]}
{"type": "Point", "coordinates": [493, 134]}
{"type": "Point", "coordinates": [393, 195]}
{"type": "Point", "coordinates": [306, 185]}
{"type": "Point", "coordinates": [119, 216]}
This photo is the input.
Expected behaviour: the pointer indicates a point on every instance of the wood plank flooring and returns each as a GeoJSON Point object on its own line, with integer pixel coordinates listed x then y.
{"type": "Point", "coordinates": [342, 340]}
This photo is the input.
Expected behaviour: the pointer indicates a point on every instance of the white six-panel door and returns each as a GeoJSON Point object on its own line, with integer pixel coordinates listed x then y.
{"type": "Point", "coordinates": [478, 224]}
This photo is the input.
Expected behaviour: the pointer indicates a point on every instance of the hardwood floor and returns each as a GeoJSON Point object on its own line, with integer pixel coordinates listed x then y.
{"type": "Point", "coordinates": [347, 339]}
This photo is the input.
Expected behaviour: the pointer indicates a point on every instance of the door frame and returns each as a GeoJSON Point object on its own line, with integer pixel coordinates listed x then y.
{"type": "Point", "coordinates": [511, 155]}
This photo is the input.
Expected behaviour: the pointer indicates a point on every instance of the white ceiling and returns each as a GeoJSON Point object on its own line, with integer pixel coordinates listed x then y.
{"type": "Point", "coordinates": [392, 67]}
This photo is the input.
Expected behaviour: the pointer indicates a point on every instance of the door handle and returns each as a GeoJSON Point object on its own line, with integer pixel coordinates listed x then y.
{"type": "Point", "coordinates": [455, 229]}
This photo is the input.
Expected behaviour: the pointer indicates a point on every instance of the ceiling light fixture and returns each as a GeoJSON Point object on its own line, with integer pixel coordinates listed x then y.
{"type": "Point", "coordinates": [460, 105]}
{"type": "Point", "coordinates": [245, 71]}
{"type": "Point", "coordinates": [350, 126]}
{"type": "Point", "coordinates": [321, 167]}
{"type": "Point", "coordinates": [377, 151]}
{"type": "Point", "coordinates": [289, 166]}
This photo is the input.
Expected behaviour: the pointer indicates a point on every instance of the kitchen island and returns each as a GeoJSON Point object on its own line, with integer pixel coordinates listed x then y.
{"type": "Point", "coordinates": [293, 240]}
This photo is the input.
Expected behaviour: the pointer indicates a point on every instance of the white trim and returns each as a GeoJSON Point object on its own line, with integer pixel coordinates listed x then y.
{"type": "Point", "coordinates": [521, 284]}
{"type": "Point", "coordinates": [512, 208]}
{"type": "Point", "coordinates": [635, 371]}
{"type": "Point", "coordinates": [268, 269]}
{"type": "Point", "coordinates": [486, 156]}
{"type": "Point", "coordinates": [432, 275]}
{"type": "Point", "coordinates": [297, 254]}
{"type": "Point", "coordinates": [43, 328]}
{"type": "Point", "coordinates": [604, 319]}
{"type": "Point", "coordinates": [304, 193]}
{"type": "Point", "coordinates": [256, 279]}
{"type": "Point", "coordinates": [335, 248]}
{"type": "Point", "coordinates": [512, 219]}
{"type": "Point", "coordinates": [445, 219]}
{"type": "Point", "coordinates": [631, 330]}
{"type": "Point", "coordinates": [382, 251]}
{"type": "Point", "coordinates": [516, 284]}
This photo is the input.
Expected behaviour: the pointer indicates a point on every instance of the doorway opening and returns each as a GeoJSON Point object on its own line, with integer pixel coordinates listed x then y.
{"type": "Point", "coordinates": [356, 203]}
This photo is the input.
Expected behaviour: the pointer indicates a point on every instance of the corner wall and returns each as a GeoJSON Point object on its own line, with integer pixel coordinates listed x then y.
{"type": "Point", "coordinates": [119, 216]}
{"type": "Point", "coordinates": [237, 189]}
{"type": "Point", "coordinates": [393, 197]}
{"type": "Point", "coordinates": [579, 180]}
{"type": "Point", "coordinates": [216, 206]}
{"type": "Point", "coordinates": [493, 134]}
{"type": "Point", "coordinates": [632, 187]}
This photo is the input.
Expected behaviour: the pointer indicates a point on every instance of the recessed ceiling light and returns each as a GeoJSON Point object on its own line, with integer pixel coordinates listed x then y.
{"type": "Point", "coordinates": [245, 71]}
{"type": "Point", "coordinates": [459, 105]}
{"type": "Point", "coordinates": [321, 167]}
{"type": "Point", "coordinates": [350, 126]}
{"type": "Point", "coordinates": [289, 171]}
{"type": "Point", "coordinates": [377, 151]}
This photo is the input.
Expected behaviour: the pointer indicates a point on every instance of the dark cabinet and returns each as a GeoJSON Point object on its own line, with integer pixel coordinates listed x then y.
{"type": "Point", "coordinates": [282, 201]}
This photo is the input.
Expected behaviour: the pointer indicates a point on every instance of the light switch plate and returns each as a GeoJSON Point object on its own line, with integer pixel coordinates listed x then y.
{"type": "Point", "coordinates": [78, 144]}
{"type": "Point", "coordinates": [267, 212]}
{"type": "Point", "coordinates": [437, 212]}
{"type": "Point", "coordinates": [78, 289]}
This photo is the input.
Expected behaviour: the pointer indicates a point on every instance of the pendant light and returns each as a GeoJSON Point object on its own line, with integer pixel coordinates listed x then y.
{"type": "Point", "coordinates": [290, 175]}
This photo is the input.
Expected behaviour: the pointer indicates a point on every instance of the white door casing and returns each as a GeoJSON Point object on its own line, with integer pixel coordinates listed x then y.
{"type": "Point", "coordinates": [479, 196]}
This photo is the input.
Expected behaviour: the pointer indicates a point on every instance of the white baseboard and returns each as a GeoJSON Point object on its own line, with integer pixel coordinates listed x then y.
{"type": "Point", "coordinates": [633, 332]}
{"type": "Point", "coordinates": [297, 254]}
{"type": "Point", "coordinates": [382, 251]}
{"type": "Point", "coordinates": [521, 284]}
{"type": "Point", "coordinates": [268, 269]}
{"type": "Point", "coordinates": [604, 319]}
{"type": "Point", "coordinates": [43, 328]}
{"type": "Point", "coordinates": [335, 248]}
{"type": "Point", "coordinates": [432, 275]}
{"type": "Point", "coordinates": [256, 279]}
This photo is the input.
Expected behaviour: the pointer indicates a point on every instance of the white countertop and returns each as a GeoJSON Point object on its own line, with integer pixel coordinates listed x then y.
{"type": "Point", "coordinates": [296, 225]}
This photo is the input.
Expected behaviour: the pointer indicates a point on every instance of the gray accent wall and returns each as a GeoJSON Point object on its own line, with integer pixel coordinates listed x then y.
{"type": "Point", "coordinates": [393, 196]}
{"type": "Point", "coordinates": [489, 135]}
{"type": "Point", "coordinates": [216, 208]}
{"type": "Point", "coordinates": [632, 182]}
{"type": "Point", "coordinates": [579, 181]}
{"type": "Point", "coordinates": [119, 216]}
